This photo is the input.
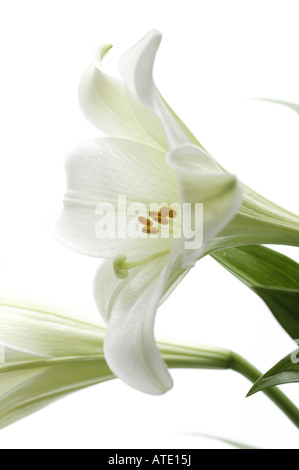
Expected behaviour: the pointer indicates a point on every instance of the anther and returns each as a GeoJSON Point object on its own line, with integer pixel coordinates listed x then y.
{"type": "Point", "coordinates": [150, 230]}
{"type": "Point", "coordinates": [145, 221]}
{"type": "Point", "coordinates": [168, 212]}
{"type": "Point", "coordinates": [160, 219]}
{"type": "Point", "coordinates": [153, 213]}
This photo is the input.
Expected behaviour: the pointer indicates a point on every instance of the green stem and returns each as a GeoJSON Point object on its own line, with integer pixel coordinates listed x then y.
{"type": "Point", "coordinates": [214, 358]}
{"type": "Point", "coordinates": [240, 365]}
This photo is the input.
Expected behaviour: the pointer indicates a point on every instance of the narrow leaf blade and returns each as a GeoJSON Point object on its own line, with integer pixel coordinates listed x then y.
{"type": "Point", "coordinates": [272, 276]}
{"type": "Point", "coordinates": [285, 371]}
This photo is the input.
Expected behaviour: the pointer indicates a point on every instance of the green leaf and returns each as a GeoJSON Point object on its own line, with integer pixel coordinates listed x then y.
{"type": "Point", "coordinates": [272, 276]}
{"type": "Point", "coordinates": [285, 371]}
{"type": "Point", "coordinates": [293, 106]}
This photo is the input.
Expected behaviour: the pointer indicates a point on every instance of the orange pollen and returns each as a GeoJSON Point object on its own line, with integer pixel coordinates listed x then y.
{"type": "Point", "coordinates": [145, 221]}
{"type": "Point", "coordinates": [148, 229]}
{"type": "Point", "coordinates": [168, 212]}
{"type": "Point", "coordinates": [160, 219]}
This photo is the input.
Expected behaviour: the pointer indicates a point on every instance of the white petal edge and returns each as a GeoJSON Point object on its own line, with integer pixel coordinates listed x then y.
{"type": "Point", "coordinates": [50, 352]}
{"type": "Point", "coordinates": [100, 170]}
{"type": "Point", "coordinates": [136, 67]}
{"type": "Point", "coordinates": [201, 180]}
{"type": "Point", "coordinates": [129, 307]}
{"type": "Point", "coordinates": [107, 103]}
{"type": "Point", "coordinates": [27, 326]}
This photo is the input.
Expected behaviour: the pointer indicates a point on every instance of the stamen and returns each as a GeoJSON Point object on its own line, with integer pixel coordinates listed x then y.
{"type": "Point", "coordinates": [121, 266]}
{"type": "Point", "coordinates": [168, 212]}
{"type": "Point", "coordinates": [163, 217]}
{"type": "Point", "coordinates": [145, 221]}
{"type": "Point", "coordinates": [151, 230]}
{"type": "Point", "coordinates": [160, 219]}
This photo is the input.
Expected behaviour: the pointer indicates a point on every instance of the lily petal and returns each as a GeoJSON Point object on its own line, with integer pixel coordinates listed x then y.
{"type": "Point", "coordinates": [51, 351]}
{"type": "Point", "coordinates": [101, 170]}
{"type": "Point", "coordinates": [201, 180]}
{"type": "Point", "coordinates": [48, 354]}
{"type": "Point", "coordinates": [129, 307]}
{"type": "Point", "coordinates": [107, 103]}
{"type": "Point", "coordinates": [136, 68]}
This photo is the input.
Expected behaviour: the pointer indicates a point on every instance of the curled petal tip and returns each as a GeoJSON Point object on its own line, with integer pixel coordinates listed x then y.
{"type": "Point", "coordinates": [186, 157]}
{"type": "Point", "coordinates": [141, 379]}
{"type": "Point", "coordinates": [100, 53]}
{"type": "Point", "coordinates": [154, 34]}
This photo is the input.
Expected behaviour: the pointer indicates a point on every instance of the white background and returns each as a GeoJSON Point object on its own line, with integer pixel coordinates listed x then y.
{"type": "Point", "coordinates": [215, 58]}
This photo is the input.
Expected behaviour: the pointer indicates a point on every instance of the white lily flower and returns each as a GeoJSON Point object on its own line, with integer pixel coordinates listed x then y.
{"type": "Point", "coordinates": [150, 156]}
{"type": "Point", "coordinates": [50, 352]}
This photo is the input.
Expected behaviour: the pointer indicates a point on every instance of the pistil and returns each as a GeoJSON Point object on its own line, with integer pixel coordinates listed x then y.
{"type": "Point", "coordinates": [122, 267]}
